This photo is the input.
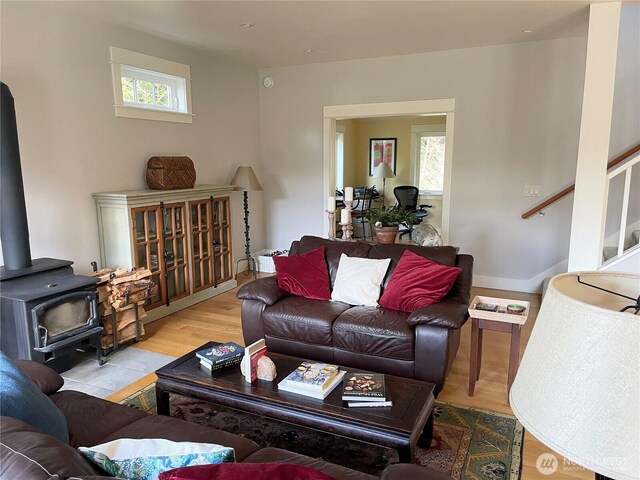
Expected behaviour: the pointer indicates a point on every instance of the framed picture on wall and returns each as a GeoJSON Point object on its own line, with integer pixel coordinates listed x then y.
{"type": "Point", "coordinates": [382, 150]}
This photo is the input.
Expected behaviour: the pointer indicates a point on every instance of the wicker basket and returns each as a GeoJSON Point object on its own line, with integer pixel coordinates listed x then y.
{"type": "Point", "coordinates": [169, 173]}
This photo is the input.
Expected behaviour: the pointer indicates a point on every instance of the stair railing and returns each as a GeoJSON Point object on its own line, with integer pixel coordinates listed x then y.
{"type": "Point", "coordinates": [625, 169]}
{"type": "Point", "coordinates": [541, 206]}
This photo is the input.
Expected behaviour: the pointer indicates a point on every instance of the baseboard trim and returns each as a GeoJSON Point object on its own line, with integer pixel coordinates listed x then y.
{"type": "Point", "coordinates": [531, 285]}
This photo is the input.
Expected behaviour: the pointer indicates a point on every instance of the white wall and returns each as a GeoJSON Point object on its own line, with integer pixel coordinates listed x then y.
{"type": "Point", "coordinates": [57, 66]}
{"type": "Point", "coordinates": [517, 123]}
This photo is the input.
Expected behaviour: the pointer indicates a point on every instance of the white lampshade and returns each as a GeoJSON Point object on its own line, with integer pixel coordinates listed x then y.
{"type": "Point", "coordinates": [577, 387]}
{"type": "Point", "coordinates": [383, 170]}
{"type": "Point", "coordinates": [245, 179]}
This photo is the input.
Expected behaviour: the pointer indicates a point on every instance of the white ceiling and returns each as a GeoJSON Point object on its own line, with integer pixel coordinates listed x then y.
{"type": "Point", "coordinates": [342, 30]}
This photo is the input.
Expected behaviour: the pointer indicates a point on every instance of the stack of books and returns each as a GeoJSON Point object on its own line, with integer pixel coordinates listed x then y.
{"type": "Point", "coordinates": [365, 390]}
{"type": "Point", "coordinates": [220, 356]}
{"type": "Point", "coordinates": [312, 379]}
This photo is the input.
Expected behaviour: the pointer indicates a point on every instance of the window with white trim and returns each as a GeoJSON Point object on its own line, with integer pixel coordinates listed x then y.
{"type": "Point", "coordinates": [150, 88]}
{"type": "Point", "coordinates": [428, 158]}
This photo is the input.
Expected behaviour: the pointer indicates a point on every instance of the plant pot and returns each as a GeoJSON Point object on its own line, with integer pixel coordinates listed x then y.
{"type": "Point", "coordinates": [387, 234]}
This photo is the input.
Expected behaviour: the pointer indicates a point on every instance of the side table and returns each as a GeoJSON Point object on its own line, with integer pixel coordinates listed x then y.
{"type": "Point", "coordinates": [499, 321]}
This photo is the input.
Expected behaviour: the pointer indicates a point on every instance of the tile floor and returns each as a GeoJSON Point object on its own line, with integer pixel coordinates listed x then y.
{"type": "Point", "coordinates": [123, 367]}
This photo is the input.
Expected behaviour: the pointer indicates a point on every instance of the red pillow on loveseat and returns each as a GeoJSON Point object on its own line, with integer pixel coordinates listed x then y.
{"type": "Point", "coordinates": [304, 275]}
{"type": "Point", "coordinates": [417, 282]}
{"type": "Point", "coordinates": [245, 471]}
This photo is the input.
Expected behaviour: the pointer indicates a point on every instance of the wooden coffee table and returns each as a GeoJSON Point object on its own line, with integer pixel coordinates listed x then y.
{"type": "Point", "coordinates": [408, 422]}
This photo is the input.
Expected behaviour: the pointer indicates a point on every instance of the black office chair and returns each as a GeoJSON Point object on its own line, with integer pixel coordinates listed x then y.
{"type": "Point", "coordinates": [407, 198]}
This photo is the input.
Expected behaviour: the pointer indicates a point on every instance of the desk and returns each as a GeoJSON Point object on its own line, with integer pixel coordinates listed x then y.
{"type": "Point", "coordinates": [499, 321]}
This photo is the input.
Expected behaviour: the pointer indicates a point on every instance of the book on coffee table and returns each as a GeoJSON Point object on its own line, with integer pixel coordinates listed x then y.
{"type": "Point", "coordinates": [313, 376]}
{"type": "Point", "coordinates": [220, 353]}
{"type": "Point", "coordinates": [364, 387]}
{"type": "Point", "coordinates": [319, 394]}
{"type": "Point", "coordinates": [252, 354]}
{"type": "Point", "coordinates": [221, 365]}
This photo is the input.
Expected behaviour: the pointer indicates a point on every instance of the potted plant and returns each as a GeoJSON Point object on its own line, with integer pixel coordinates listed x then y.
{"type": "Point", "coordinates": [387, 221]}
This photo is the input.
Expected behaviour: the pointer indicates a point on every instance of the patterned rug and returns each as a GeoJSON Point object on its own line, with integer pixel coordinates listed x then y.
{"type": "Point", "coordinates": [468, 443]}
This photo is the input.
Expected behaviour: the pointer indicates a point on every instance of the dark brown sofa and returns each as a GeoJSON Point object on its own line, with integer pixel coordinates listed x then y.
{"type": "Point", "coordinates": [420, 345]}
{"type": "Point", "coordinates": [28, 454]}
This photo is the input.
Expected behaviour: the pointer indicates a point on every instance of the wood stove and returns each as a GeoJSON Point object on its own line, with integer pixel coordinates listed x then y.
{"type": "Point", "coordinates": [46, 310]}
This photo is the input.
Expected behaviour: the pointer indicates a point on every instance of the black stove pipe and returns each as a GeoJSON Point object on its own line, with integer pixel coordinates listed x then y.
{"type": "Point", "coordinates": [14, 229]}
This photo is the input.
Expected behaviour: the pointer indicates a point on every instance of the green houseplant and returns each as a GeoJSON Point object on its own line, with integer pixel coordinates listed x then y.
{"type": "Point", "coordinates": [387, 221]}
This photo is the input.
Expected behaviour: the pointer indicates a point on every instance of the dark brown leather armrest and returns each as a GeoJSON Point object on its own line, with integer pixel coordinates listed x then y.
{"type": "Point", "coordinates": [442, 314]}
{"type": "Point", "coordinates": [47, 379]}
{"type": "Point", "coordinates": [406, 471]}
{"type": "Point", "coordinates": [265, 290]}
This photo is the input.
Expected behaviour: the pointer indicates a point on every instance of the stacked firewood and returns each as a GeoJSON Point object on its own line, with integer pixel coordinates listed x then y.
{"type": "Point", "coordinates": [119, 291]}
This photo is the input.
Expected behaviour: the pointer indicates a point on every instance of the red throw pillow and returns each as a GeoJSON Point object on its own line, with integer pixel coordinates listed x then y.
{"type": "Point", "coordinates": [245, 471]}
{"type": "Point", "coordinates": [417, 282]}
{"type": "Point", "coordinates": [304, 275]}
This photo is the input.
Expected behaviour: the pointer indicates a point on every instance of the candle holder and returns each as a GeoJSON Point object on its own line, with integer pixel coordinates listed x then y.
{"type": "Point", "coordinates": [348, 206]}
{"type": "Point", "coordinates": [347, 232]}
{"type": "Point", "coordinates": [332, 225]}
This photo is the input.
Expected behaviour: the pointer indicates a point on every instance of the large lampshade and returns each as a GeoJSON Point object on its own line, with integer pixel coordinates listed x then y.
{"type": "Point", "coordinates": [577, 388]}
{"type": "Point", "coordinates": [245, 179]}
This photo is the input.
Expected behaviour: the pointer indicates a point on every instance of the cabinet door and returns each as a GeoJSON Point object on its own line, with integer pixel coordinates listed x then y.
{"type": "Point", "coordinates": [147, 239]}
{"type": "Point", "coordinates": [176, 284]}
{"type": "Point", "coordinates": [201, 244]}
{"type": "Point", "coordinates": [221, 226]}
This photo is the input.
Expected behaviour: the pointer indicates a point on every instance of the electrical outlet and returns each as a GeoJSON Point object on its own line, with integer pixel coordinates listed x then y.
{"type": "Point", "coordinates": [531, 191]}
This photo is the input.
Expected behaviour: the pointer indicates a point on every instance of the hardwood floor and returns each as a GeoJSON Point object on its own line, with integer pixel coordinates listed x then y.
{"type": "Point", "coordinates": [219, 319]}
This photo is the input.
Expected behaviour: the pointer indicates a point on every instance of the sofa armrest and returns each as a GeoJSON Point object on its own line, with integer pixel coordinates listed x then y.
{"type": "Point", "coordinates": [442, 314]}
{"type": "Point", "coordinates": [265, 290]}
{"type": "Point", "coordinates": [47, 379]}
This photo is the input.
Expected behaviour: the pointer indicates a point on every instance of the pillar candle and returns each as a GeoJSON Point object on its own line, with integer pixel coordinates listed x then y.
{"type": "Point", "coordinates": [331, 205]}
{"type": "Point", "coordinates": [348, 194]}
{"type": "Point", "coordinates": [344, 216]}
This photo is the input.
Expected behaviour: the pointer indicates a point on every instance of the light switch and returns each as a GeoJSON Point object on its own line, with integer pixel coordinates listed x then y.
{"type": "Point", "coordinates": [531, 191]}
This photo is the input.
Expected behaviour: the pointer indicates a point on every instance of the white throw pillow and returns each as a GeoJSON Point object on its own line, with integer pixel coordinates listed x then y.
{"type": "Point", "coordinates": [145, 459]}
{"type": "Point", "coordinates": [358, 280]}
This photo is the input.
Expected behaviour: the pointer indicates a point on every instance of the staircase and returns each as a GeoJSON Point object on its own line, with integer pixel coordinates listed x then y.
{"type": "Point", "coordinates": [609, 252]}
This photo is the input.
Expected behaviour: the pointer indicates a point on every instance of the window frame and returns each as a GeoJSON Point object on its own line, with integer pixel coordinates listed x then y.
{"type": "Point", "coordinates": [152, 69]}
{"type": "Point", "coordinates": [417, 132]}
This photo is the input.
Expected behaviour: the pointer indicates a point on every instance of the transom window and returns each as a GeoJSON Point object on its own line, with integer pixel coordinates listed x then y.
{"type": "Point", "coordinates": [150, 88]}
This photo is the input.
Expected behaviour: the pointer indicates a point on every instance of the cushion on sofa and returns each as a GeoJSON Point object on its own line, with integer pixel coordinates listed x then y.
{"type": "Point", "coordinates": [22, 399]}
{"type": "Point", "coordinates": [91, 419]}
{"type": "Point", "coordinates": [333, 252]}
{"type": "Point", "coordinates": [47, 379]}
{"type": "Point", "coordinates": [277, 455]}
{"type": "Point", "coordinates": [304, 275]}
{"type": "Point", "coordinates": [304, 320]}
{"type": "Point", "coordinates": [245, 471]}
{"type": "Point", "coordinates": [374, 331]}
{"type": "Point", "coordinates": [161, 426]}
{"type": "Point", "coordinates": [446, 255]}
{"type": "Point", "coordinates": [144, 459]}
{"type": "Point", "coordinates": [417, 282]}
{"type": "Point", "coordinates": [358, 280]}
{"type": "Point", "coordinates": [27, 453]}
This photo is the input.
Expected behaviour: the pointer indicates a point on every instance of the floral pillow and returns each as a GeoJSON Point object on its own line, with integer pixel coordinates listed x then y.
{"type": "Point", "coordinates": [145, 459]}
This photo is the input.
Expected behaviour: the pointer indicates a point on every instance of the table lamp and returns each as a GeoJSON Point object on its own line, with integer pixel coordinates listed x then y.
{"type": "Point", "coordinates": [245, 179]}
{"type": "Point", "coordinates": [383, 171]}
{"type": "Point", "coordinates": [577, 388]}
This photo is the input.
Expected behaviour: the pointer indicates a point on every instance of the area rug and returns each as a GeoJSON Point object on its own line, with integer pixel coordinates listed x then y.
{"type": "Point", "coordinates": [468, 443]}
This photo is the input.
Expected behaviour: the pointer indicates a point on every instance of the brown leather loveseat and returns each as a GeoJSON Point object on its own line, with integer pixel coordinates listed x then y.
{"type": "Point", "coordinates": [421, 344]}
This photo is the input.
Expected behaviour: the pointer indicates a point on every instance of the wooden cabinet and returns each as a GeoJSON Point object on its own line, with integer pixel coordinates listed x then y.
{"type": "Point", "coordinates": [182, 236]}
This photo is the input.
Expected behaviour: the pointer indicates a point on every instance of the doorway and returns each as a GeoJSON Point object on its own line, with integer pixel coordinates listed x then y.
{"type": "Point", "coordinates": [419, 108]}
